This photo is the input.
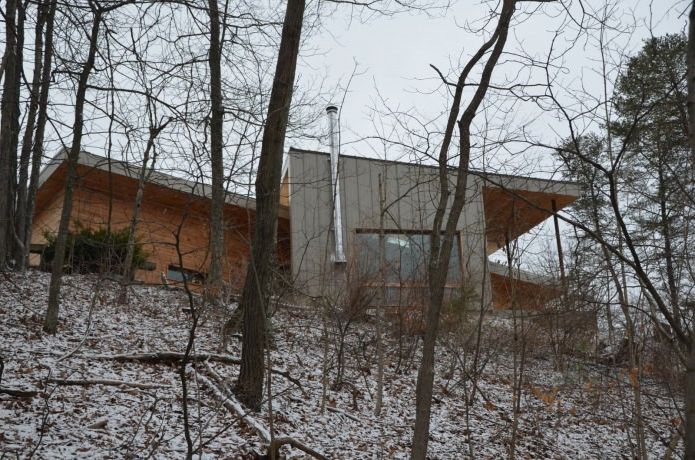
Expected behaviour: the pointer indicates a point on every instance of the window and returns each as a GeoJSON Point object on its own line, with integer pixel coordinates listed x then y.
{"type": "Point", "coordinates": [178, 274]}
{"type": "Point", "coordinates": [405, 259]}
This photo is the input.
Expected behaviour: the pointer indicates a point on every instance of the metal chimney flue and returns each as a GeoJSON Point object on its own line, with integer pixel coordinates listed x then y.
{"type": "Point", "coordinates": [339, 255]}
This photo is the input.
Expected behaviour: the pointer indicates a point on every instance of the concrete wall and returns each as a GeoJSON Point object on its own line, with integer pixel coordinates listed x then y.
{"type": "Point", "coordinates": [412, 192]}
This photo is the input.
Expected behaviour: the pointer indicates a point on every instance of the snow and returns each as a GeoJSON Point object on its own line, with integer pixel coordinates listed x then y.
{"type": "Point", "coordinates": [583, 412]}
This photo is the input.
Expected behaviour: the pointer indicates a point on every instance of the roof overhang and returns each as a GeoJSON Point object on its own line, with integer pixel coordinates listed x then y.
{"type": "Point", "coordinates": [515, 204]}
{"type": "Point", "coordinates": [50, 182]}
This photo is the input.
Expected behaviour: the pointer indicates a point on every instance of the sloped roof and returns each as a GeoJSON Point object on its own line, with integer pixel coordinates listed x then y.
{"type": "Point", "coordinates": [132, 171]}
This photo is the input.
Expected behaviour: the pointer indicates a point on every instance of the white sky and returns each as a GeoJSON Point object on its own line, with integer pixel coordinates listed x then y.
{"type": "Point", "coordinates": [393, 57]}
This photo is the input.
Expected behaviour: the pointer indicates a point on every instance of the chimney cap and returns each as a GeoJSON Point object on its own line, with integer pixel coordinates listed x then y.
{"type": "Point", "coordinates": [331, 108]}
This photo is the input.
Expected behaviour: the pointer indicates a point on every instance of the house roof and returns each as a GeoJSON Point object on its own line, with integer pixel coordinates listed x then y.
{"type": "Point", "coordinates": [513, 204]}
{"type": "Point", "coordinates": [132, 171]}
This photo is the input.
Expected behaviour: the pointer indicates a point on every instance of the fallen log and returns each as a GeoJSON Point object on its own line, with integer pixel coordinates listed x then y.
{"type": "Point", "coordinates": [280, 441]}
{"type": "Point", "coordinates": [235, 407]}
{"type": "Point", "coordinates": [342, 412]}
{"type": "Point", "coordinates": [168, 357]}
{"type": "Point", "coordinates": [18, 392]}
{"type": "Point", "coordinates": [173, 357]}
{"type": "Point", "coordinates": [107, 382]}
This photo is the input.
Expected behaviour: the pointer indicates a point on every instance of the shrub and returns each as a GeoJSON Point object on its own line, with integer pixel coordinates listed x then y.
{"type": "Point", "coordinates": [95, 250]}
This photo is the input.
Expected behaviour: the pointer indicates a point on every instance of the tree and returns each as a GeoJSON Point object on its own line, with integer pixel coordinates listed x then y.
{"type": "Point", "coordinates": [593, 209]}
{"type": "Point", "coordinates": [648, 187]}
{"type": "Point", "coordinates": [21, 250]}
{"type": "Point", "coordinates": [216, 157]}
{"type": "Point", "coordinates": [9, 127]}
{"type": "Point", "coordinates": [445, 223]}
{"type": "Point", "coordinates": [256, 292]}
{"type": "Point", "coordinates": [97, 11]}
{"type": "Point", "coordinates": [42, 116]}
{"type": "Point", "coordinates": [690, 366]}
{"type": "Point", "coordinates": [657, 156]}
{"type": "Point", "coordinates": [652, 121]}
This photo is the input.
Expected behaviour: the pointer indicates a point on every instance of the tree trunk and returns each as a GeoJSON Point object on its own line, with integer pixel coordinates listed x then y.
{"type": "Point", "coordinates": [690, 59]}
{"type": "Point", "coordinates": [9, 130]}
{"type": "Point", "coordinates": [37, 148]}
{"type": "Point", "coordinates": [442, 244]}
{"type": "Point", "coordinates": [214, 287]}
{"type": "Point", "coordinates": [380, 308]}
{"type": "Point", "coordinates": [142, 180]}
{"type": "Point", "coordinates": [22, 252]}
{"type": "Point", "coordinates": [690, 370]}
{"type": "Point", "coordinates": [256, 291]}
{"type": "Point", "coordinates": [50, 324]}
{"type": "Point", "coordinates": [690, 401]}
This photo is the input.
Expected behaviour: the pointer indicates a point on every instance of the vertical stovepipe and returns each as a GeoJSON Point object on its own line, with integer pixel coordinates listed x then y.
{"type": "Point", "coordinates": [339, 255]}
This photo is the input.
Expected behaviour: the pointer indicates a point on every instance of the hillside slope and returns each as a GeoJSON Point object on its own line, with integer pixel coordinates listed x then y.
{"type": "Point", "coordinates": [584, 412]}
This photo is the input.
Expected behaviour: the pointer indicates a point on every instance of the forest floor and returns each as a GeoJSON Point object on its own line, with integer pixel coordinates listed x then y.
{"type": "Point", "coordinates": [585, 411]}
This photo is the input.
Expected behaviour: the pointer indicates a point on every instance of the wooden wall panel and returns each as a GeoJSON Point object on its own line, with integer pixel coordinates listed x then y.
{"type": "Point", "coordinates": [164, 214]}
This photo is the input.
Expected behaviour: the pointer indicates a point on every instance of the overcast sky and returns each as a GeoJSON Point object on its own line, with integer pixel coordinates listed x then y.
{"type": "Point", "coordinates": [393, 57]}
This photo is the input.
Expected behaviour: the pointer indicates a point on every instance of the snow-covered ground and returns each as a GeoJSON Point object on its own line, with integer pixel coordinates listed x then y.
{"type": "Point", "coordinates": [583, 412]}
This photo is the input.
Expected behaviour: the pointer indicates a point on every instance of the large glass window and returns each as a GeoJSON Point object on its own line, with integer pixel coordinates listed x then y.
{"type": "Point", "coordinates": [406, 255]}
{"type": "Point", "coordinates": [178, 274]}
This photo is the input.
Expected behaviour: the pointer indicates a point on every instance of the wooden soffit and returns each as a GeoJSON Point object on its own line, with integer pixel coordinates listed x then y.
{"type": "Point", "coordinates": [514, 205]}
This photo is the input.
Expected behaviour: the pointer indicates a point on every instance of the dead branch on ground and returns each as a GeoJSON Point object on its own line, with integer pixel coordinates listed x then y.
{"type": "Point", "coordinates": [215, 383]}
{"type": "Point", "coordinates": [107, 382]}
{"type": "Point", "coordinates": [173, 357]}
{"type": "Point", "coordinates": [17, 392]}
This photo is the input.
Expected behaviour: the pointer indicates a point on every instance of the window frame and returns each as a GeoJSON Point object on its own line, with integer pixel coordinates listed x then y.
{"type": "Point", "coordinates": [394, 231]}
{"type": "Point", "coordinates": [189, 275]}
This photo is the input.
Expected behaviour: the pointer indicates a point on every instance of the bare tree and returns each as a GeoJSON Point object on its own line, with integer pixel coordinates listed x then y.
{"type": "Point", "coordinates": [21, 252]}
{"type": "Point", "coordinates": [690, 366]}
{"type": "Point", "coordinates": [636, 252]}
{"type": "Point", "coordinates": [256, 291]}
{"type": "Point", "coordinates": [9, 126]}
{"type": "Point", "coordinates": [216, 157]}
{"type": "Point", "coordinates": [447, 215]}
{"type": "Point", "coordinates": [97, 11]}
{"type": "Point", "coordinates": [149, 159]}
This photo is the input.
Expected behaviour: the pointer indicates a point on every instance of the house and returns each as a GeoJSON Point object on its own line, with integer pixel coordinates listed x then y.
{"type": "Point", "coordinates": [326, 250]}
{"type": "Point", "coordinates": [336, 249]}
{"type": "Point", "coordinates": [172, 209]}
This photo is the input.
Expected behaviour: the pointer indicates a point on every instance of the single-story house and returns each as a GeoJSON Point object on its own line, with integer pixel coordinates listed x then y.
{"type": "Point", "coordinates": [105, 193]}
{"type": "Point", "coordinates": [326, 250]}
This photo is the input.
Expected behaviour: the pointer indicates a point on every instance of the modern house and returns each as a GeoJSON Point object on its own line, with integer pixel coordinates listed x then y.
{"type": "Point", "coordinates": [374, 239]}
{"type": "Point", "coordinates": [174, 213]}
{"type": "Point", "coordinates": [336, 249]}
